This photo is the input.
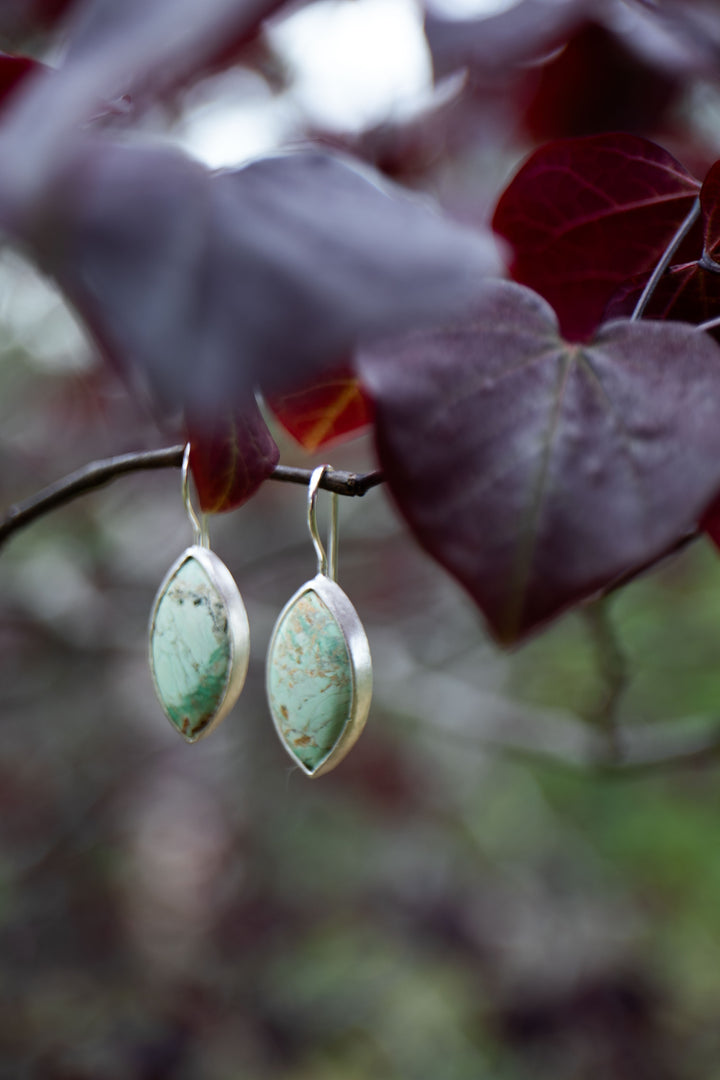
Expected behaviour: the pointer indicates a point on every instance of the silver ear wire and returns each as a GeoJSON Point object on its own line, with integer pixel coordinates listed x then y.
{"type": "Point", "coordinates": [199, 523]}
{"type": "Point", "coordinates": [326, 563]}
{"type": "Point", "coordinates": [319, 671]}
{"type": "Point", "coordinates": [199, 640]}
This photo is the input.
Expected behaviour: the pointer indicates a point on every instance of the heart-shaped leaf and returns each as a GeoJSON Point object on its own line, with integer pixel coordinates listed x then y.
{"type": "Point", "coordinates": [584, 215]}
{"type": "Point", "coordinates": [537, 471]}
{"type": "Point", "coordinates": [201, 285]}
{"type": "Point", "coordinates": [332, 408]}
{"type": "Point", "coordinates": [231, 459]}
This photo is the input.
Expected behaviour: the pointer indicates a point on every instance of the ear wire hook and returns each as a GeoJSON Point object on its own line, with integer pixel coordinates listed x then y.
{"type": "Point", "coordinates": [327, 566]}
{"type": "Point", "coordinates": [199, 524]}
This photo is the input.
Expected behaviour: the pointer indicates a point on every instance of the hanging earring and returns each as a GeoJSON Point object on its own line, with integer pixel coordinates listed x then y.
{"type": "Point", "coordinates": [199, 634]}
{"type": "Point", "coordinates": [319, 673]}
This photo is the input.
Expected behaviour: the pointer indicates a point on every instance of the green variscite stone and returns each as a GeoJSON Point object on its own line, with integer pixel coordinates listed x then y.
{"type": "Point", "coordinates": [190, 649]}
{"type": "Point", "coordinates": [310, 680]}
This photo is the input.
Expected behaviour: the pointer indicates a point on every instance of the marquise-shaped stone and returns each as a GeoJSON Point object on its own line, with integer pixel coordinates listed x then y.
{"type": "Point", "coordinates": [190, 649]}
{"type": "Point", "coordinates": [310, 680]}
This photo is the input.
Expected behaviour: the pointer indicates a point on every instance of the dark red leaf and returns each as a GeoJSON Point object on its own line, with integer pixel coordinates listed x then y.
{"type": "Point", "coordinates": [584, 215]}
{"type": "Point", "coordinates": [686, 293]}
{"type": "Point", "coordinates": [536, 471]}
{"type": "Point", "coordinates": [230, 460]}
{"type": "Point", "coordinates": [710, 522]}
{"type": "Point", "coordinates": [710, 203]}
{"type": "Point", "coordinates": [598, 83]}
{"type": "Point", "coordinates": [331, 409]}
{"type": "Point", "coordinates": [13, 71]}
{"type": "Point", "coordinates": [689, 291]}
{"type": "Point", "coordinates": [201, 285]}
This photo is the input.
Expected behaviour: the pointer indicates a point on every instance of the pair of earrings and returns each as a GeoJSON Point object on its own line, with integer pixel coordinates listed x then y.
{"type": "Point", "coordinates": [319, 673]}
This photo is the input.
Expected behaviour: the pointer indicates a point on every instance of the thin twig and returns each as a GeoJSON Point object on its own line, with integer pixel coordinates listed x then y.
{"type": "Point", "coordinates": [655, 753]}
{"type": "Point", "coordinates": [99, 473]}
{"type": "Point", "coordinates": [494, 724]}
{"type": "Point", "coordinates": [665, 261]}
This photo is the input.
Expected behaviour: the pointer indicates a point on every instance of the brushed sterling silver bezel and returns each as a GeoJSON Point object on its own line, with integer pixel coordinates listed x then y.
{"type": "Point", "coordinates": [238, 631]}
{"type": "Point", "coordinates": [358, 649]}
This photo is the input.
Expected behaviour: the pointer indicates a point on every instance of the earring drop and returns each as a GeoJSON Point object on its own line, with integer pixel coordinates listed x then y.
{"type": "Point", "coordinates": [319, 672]}
{"type": "Point", "coordinates": [199, 634]}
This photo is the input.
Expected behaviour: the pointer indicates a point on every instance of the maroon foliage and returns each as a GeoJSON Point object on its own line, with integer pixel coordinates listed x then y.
{"type": "Point", "coordinates": [331, 408]}
{"type": "Point", "coordinates": [584, 215]}
{"type": "Point", "coordinates": [13, 72]}
{"type": "Point", "coordinates": [538, 472]}
{"type": "Point", "coordinates": [231, 459]}
{"type": "Point", "coordinates": [689, 290]}
{"type": "Point", "coordinates": [201, 285]}
{"type": "Point", "coordinates": [598, 83]}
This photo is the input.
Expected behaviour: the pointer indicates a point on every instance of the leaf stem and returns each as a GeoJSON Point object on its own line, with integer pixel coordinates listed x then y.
{"type": "Point", "coordinates": [612, 668]}
{"type": "Point", "coordinates": [99, 473]}
{"type": "Point", "coordinates": [711, 324]}
{"type": "Point", "coordinates": [662, 266]}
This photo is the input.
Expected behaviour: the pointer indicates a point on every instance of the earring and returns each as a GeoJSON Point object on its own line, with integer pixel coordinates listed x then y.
{"type": "Point", "coordinates": [199, 634]}
{"type": "Point", "coordinates": [319, 673]}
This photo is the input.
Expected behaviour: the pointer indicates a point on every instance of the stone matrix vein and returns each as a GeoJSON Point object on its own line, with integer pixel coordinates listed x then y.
{"type": "Point", "coordinates": [310, 680]}
{"type": "Point", "coordinates": [190, 649]}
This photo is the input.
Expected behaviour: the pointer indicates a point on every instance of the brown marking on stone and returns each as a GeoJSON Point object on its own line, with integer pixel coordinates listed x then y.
{"type": "Point", "coordinates": [302, 740]}
{"type": "Point", "coordinates": [284, 712]}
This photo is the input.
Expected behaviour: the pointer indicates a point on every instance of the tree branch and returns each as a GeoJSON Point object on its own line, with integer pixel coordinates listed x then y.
{"type": "Point", "coordinates": [99, 473]}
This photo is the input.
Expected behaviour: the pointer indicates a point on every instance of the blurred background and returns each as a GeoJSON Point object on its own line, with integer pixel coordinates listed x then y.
{"type": "Point", "coordinates": [475, 892]}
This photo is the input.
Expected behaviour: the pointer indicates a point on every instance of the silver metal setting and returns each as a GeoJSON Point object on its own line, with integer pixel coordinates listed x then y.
{"type": "Point", "coordinates": [339, 606]}
{"type": "Point", "coordinates": [238, 632]}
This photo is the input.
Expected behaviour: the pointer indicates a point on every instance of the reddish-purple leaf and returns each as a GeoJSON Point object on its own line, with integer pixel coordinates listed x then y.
{"type": "Point", "coordinates": [689, 291]}
{"type": "Point", "coordinates": [710, 522]}
{"type": "Point", "coordinates": [685, 293]}
{"type": "Point", "coordinates": [584, 215]}
{"type": "Point", "coordinates": [201, 285]}
{"type": "Point", "coordinates": [598, 83]}
{"type": "Point", "coordinates": [332, 408]}
{"type": "Point", "coordinates": [231, 459]}
{"type": "Point", "coordinates": [13, 72]}
{"type": "Point", "coordinates": [537, 471]}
